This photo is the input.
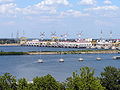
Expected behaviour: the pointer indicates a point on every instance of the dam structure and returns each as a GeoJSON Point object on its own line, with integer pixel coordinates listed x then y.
{"type": "Point", "coordinates": [79, 43]}
{"type": "Point", "coordinates": [64, 44]}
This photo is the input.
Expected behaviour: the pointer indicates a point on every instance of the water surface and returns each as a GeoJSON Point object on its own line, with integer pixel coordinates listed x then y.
{"type": "Point", "coordinates": [26, 66]}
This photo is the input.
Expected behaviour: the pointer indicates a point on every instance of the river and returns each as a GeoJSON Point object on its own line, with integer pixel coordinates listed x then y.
{"type": "Point", "coordinates": [26, 65]}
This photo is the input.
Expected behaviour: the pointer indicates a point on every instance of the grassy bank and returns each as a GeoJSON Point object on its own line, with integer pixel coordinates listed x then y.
{"type": "Point", "coordinates": [75, 52]}
{"type": "Point", "coordinates": [13, 53]}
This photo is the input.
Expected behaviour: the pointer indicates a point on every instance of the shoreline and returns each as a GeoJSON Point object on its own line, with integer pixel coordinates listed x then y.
{"type": "Point", "coordinates": [75, 52]}
{"type": "Point", "coordinates": [9, 44]}
{"type": "Point", "coordinates": [61, 52]}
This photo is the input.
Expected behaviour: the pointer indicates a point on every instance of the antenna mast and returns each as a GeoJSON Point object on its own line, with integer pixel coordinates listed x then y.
{"type": "Point", "coordinates": [17, 35]}
{"type": "Point", "coordinates": [110, 35]}
{"type": "Point", "coordinates": [101, 35]}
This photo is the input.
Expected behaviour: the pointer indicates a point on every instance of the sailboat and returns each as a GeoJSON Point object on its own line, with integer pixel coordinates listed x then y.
{"type": "Point", "coordinates": [40, 60]}
{"type": "Point", "coordinates": [80, 59]}
{"type": "Point", "coordinates": [98, 58]}
{"type": "Point", "coordinates": [61, 59]}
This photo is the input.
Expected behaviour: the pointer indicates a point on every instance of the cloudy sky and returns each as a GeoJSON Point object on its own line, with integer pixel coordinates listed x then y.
{"type": "Point", "coordinates": [61, 16]}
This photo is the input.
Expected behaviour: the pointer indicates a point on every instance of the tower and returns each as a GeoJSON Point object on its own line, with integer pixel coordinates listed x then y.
{"type": "Point", "coordinates": [79, 35]}
{"type": "Point", "coordinates": [64, 36]}
{"type": "Point", "coordinates": [42, 35]}
{"type": "Point", "coordinates": [53, 35]}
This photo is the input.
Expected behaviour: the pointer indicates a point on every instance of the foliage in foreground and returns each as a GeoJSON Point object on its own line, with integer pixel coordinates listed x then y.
{"type": "Point", "coordinates": [82, 80]}
{"type": "Point", "coordinates": [110, 78]}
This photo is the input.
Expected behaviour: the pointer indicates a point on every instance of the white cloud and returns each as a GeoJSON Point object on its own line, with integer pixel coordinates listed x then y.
{"type": "Point", "coordinates": [7, 8]}
{"type": "Point", "coordinates": [73, 13]}
{"type": "Point", "coordinates": [103, 22]}
{"type": "Point", "coordinates": [37, 10]}
{"type": "Point", "coordinates": [8, 23]}
{"type": "Point", "coordinates": [103, 8]}
{"type": "Point", "coordinates": [107, 2]}
{"type": "Point", "coordinates": [2, 1]}
{"type": "Point", "coordinates": [44, 7]}
{"type": "Point", "coordinates": [88, 2]}
{"type": "Point", "coordinates": [51, 2]}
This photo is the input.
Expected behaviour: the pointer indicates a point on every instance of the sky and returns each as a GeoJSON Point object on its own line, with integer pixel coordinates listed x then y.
{"type": "Point", "coordinates": [71, 17]}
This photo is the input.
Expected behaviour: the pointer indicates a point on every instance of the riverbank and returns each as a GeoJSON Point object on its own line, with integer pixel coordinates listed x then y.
{"type": "Point", "coordinates": [9, 44]}
{"type": "Point", "coordinates": [14, 53]}
{"type": "Point", "coordinates": [61, 52]}
{"type": "Point", "coordinates": [75, 52]}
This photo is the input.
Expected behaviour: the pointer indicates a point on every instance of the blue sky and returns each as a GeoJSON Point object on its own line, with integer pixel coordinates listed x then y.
{"type": "Point", "coordinates": [60, 16]}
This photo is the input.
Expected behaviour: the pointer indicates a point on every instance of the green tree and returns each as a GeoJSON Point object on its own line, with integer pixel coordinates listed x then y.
{"type": "Point", "coordinates": [84, 81]}
{"type": "Point", "coordinates": [110, 78]}
{"type": "Point", "coordinates": [45, 83]}
{"type": "Point", "coordinates": [8, 82]}
{"type": "Point", "coordinates": [22, 84]}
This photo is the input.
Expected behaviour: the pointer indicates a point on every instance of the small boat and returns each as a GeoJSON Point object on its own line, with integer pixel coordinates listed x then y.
{"type": "Point", "coordinates": [116, 57]}
{"type": "Point", "coordinates": [61, 60]}
{"type": "Point", "coordinates": [98, 58]}
{"type": "Point", "coordinates": [80, 59]}
{"type": "Point", "coordinates": [40, 61]}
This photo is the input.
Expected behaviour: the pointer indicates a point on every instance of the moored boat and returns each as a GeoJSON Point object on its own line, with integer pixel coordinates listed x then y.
{"type": "Point", "coordinates": [80, 59]}
{"type": "Point", "coordinates": [116, 57]}
{"type": "Point", "coordinates": [40, 61]}
{"type": "Point", "coordinates": [61, 60]}
{"type": "Point", "coordinates": [98, 58]}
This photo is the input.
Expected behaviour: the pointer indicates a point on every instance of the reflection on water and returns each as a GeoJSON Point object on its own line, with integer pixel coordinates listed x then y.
{"type": "Point", "coordinates": [26, 66]}
{"type": "Point", "coordinates": [26, 49]}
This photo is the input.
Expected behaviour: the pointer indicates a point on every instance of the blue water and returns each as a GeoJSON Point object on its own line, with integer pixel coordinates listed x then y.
{"type": "Point", "coordinates": [30, 48]}
{"type": "Point", "coordinates": [26, 66]}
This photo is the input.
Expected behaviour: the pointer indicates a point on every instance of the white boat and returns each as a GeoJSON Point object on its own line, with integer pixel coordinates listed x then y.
{"type": "Point", "coordinates": [116, 57]}
{"type": "Point", "coordinates": [98, 58]}
{"type": "Point", "coordinates": [40, 61]}
{"type": "Point", "coordinates": [80, 59]}
{"type": "Point", "coordinates": [61, 60]}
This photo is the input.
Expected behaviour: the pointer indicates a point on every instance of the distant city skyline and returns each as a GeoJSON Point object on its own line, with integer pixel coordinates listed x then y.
{"type": "Point", "coordinates": [30, 17]}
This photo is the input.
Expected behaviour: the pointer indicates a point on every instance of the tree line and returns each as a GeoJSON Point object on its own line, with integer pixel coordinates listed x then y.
{"type": "Point", "coordinates": [84, 79]}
